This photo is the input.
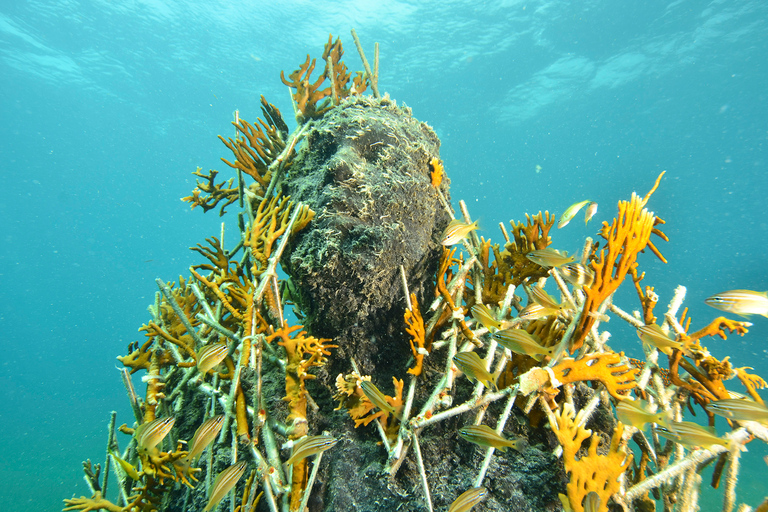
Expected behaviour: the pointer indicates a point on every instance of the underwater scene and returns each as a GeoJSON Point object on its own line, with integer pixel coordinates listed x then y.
{"type": "Point", "coordinates": [374, 256]}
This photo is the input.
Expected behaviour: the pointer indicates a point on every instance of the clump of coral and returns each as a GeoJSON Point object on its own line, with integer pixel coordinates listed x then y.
{"type": "Point", "coordinates": [417, 365]}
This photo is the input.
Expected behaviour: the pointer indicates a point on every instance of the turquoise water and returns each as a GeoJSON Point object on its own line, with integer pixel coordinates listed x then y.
{"type": "Point", "coordinates": [108, 107]}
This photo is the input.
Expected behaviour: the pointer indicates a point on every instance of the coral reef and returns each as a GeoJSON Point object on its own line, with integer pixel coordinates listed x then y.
{"type": "Point", "coordinates": [352, 205]}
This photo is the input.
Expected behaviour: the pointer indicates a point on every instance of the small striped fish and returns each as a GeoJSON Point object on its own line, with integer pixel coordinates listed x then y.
{"type": "Point", "coordinates": [210, 356]}
{"type": "Point", "coordinates": [378, 398]}
{"type": "Point", "coordinates": [741, 302]}
{"type": "Point", "coordinates": [468, 499]}
{"type": "Point", "coordinates": [204, 435]}
{"type": "Point", "coordinates": [470, 364]}
{"type": "Point", "coordinates": [148, 435]}
{"type": "Point", "coordinates": [224, 483]}
{"type": "Point", "coordinates": [739, 409]}
{"type": "Point", "coordinates": [310, 445]}
{"type": "Point", "coordinates": [577, 274]}
{"type": "Point", "coordinates": [456, 231]}
{"type": "Point", "coordinates": [653, 335]}
{"type": "Point", "coordinates": [483, 435]}
{"type": "Point", "coordinates": [549, 258]}
{"type": "Point", "coordinates": [520, 341]}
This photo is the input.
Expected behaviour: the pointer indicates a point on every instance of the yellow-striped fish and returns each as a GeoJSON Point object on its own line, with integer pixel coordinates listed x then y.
{"type": "Point", "coordinates": [148, 435]}
{"type": "Point", "coordinates": [210, 356]}
{"type": "Point", "coordinates": [224, 483]}
{"type": "Point", "coordinates": [378, 398]}
{"type": "Point", "coordinates": [692, 435]}
{"type": "Point", "coordinates": [741, 302]}
{"type": "Point", "coordinates": [577, 274]}
{"type": "Point", "coordinates": [535, 311]}
{"type": "Point", "coordinates": [485, 316]}
{"type": "Point", "coordinates": [571, 212]}
{"type": "Point", "coordinates": [654, 335]}
{"type": "Point", "coordinates": [590, 212]}
{"type": "Point", "coordinates": [483, 435]}
{"type": "Point", "coordinates": [310, 445]}
{"type": "Point", "coordinates": [521, 342]}
{"type": "Point", "coordinates": [637, 413]}
{"type": "Point", "coordinates": [204, 435]}
{"type": "Point", "coordinates": [468, 499]}
{"type": "Point", "coordinates": [739, 410]}
{"type": "Point", "coordinates": [470, 364]}
{"type": "Point", "coordinates": [457, 231]}
{"type": "Point", "coordinates": [543, 299]}
{"type": "Point", "coordinates": [549, 258]}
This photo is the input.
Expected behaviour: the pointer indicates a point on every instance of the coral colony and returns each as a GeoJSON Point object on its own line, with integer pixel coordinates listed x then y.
{"type": "Point", "coordinates": [434, 369]}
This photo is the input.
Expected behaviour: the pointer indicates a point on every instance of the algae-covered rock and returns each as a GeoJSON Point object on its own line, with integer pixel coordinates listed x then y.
{"type": "Point", "coordinates": [364, 169]}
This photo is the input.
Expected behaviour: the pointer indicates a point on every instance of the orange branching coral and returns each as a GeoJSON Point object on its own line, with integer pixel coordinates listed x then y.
{"type": "Point", "coordinates": [95, 502]}
{"type": "Point", "coordinates": [446, 261]}
{"type": "Point", "coordinates": [216, 192]}
{"type": "Point", "coordinates": [512, 265]}
{"type": "Point", "coordinates": [590, 472]}
{"type": "Point", "coordinates": [258, 145]}
{"type": "Point", "coordinates": [303, 353]}
{"type": "Point", "coordinates": [351, 397]}
{"type": "Point", "coordinates": [497, 274]}
{"type": "Point", "coordinates": [308, 96]}
{"type": "Point", "coordinates": [751, 382]}
{"type": "Point", "coordinates": [270, 222]}
{"type": "Point", "coordinates": [629, 234]}
{"type": "Point", "coordinates": [414, 325]}
{"type": "Point", "coordinates": [607, 367]}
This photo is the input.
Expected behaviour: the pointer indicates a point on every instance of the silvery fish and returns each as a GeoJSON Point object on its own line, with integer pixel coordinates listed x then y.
{"type": "Point", "coordinates": [571, 212]}
{"type": "Point", "coordinates": [590, 212]}
{"type": "Point", "coordinates": [483, 435]}
{"type": "Point", "coordinates": [470, 364]}
{"type": "Point", "coordinates": [149, 434]}
{"type": "Point", "coordinates": [204, 435]}
{"type": "Point", "coordinates": [549, 258]}
{"type": "Point", "coordinates": [577, 274]}
{"type": "Point", "coordinates": [224, 483]}
{"type": "Point", "coordinates": [739, 409]}
{"type": "Point", "coordinates": [310, 445]}
{"type": "Point", "coordinates": [210, 356]}
{"type": "Point", "coordinates": [653, 335]}
{"type": "Point", "coordinates": [637, 413]}
{"type": "Point", "coordinates": [520, 341]}
{"type": "Point", "coordinates": [692, 435]}
{"type": "Point", "coordinates": [456, 231]}
{"type": "Point", "coordinates": [468, 499]}
{"type": "Point", "coordinates": [741, 302]}
{"type": "Point", "coordinates": [378, 398]}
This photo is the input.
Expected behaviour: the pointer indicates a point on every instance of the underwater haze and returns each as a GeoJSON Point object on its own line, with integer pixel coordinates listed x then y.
{"type": "Point", "coordinates": [109, 106]}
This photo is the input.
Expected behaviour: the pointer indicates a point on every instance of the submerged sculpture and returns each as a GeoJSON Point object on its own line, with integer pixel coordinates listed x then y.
{"type": "Point", "coordinates": [416, 361]}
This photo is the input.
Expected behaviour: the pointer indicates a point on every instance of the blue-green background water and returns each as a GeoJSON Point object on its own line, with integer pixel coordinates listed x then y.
{"type": "Point", "coordinates": [108, 106]}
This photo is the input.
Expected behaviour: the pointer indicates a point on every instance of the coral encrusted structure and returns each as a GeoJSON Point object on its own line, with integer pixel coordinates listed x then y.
{"type": "Point", "coordinates": [365, 170]}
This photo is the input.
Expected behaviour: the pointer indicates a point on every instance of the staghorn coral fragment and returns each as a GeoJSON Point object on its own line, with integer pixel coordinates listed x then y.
{"type": "Point", "coordinates": [591, 472]}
